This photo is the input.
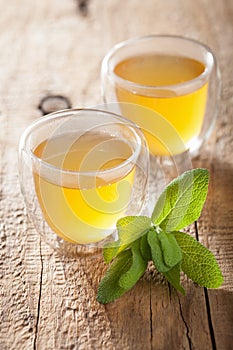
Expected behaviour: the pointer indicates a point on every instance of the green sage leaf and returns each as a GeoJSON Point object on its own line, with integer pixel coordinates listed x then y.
{"type": "Point", "coordinates": [172, 253]}
{"type": "Point", "coordinates": [198, 262]}
{"type": "Point", "coordinates": [156, 251]}
{"type": "Point", "coordinates": [130, 228]}
{"type": "Point", "coordinates": [173, 277]}
{"type": "Point", "coordinates": [145, 248]}
{"type": "Point", "coordinates": [182, 201]}
{"type": "Point", "coordinates": [137, 269]}
{"type": "Point", "coordinates": [109, 288]}
{"type": "Point", "coordinates": [165, 250]}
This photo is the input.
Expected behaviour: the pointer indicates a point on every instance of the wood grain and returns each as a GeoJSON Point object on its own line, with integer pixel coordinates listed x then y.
{"type": "Point", "coordinates": [53, 47]}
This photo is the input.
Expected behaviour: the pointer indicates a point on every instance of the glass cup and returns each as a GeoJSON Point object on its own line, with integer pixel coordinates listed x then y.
{"type": "Point", "coordinates": [169, 86]}
{"type": "Point", "coordinates": [80, 171]}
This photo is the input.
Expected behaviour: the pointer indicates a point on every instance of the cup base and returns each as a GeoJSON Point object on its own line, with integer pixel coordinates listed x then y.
{"type": "Point", "coordinates": [173, 166]}
{"type": "Point", "coordinates": [78, 251]}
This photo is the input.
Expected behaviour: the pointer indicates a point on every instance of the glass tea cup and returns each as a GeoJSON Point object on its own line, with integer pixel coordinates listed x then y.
{"type": "Point", "coordinates": [169, 86]}
{"type": "Point", "coordinates": [80, 171]}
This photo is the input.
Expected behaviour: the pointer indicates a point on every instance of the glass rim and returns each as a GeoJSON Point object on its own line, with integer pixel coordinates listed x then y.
{"type": "Point", "coordinates": [105, 67]}
{"type": "Point", "coordinates": [24, 142]}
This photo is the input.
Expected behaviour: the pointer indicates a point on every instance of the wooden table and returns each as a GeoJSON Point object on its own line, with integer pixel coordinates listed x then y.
{"type": "Point", "coordinates": [51, 47]}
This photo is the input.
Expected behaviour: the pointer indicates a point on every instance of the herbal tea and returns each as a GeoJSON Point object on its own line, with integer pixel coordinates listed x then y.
{"type": "Point", "coordinates": [86, 211]}
{"type": "Point", "coordinates": [184, 113]}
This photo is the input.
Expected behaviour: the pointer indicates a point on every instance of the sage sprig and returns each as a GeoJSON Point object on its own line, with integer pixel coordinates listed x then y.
{"type": "Point", "coordinates": [142, 239]}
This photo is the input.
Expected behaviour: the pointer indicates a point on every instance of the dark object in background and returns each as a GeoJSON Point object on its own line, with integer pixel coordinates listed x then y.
{"type": "Point", "coordinates": [50, 104]}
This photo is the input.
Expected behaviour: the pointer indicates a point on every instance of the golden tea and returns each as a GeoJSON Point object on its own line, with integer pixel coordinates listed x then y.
{"type": "Point", "coordinates": [180, 116]}
{"type": "Point", "coordinates": [87, 210]}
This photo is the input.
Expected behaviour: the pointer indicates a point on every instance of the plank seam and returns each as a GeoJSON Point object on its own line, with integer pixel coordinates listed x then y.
{"type": "Point", "coordinates": [212, 336]}
{"type": "Point", "coordinates": [207, 303]}
{"type": "Point", "coordinates": [151, 322]}
{"type": "Point", "coordinates": [186, 326]}
{"type": "Point", "coordinates": [39, 301]}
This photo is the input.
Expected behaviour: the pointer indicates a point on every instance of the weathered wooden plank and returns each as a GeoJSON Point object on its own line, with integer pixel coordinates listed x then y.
{"type": "Point", "coordinates": [17, 314]}
{"type": "Point", "coordinates": [50, 48]}
{"type": "Point", "coordinates": [70, 316]}
{"type": "Point", "coordinates": [216, 223]}
{"type": "Point", "coordinates": [222, 317]}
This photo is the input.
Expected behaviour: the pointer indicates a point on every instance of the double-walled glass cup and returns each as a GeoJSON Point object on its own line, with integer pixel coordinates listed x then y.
{"type": "Point", "coordinates": [169, 86]}
{"type": "Point", "coordinates": [81, 170]}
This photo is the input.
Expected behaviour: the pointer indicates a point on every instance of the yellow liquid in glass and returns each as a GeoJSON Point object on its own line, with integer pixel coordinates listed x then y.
{"type": "Point", "coordinates": [86, 211]}
{"type": "Point", "coordinates": [180, 117]}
